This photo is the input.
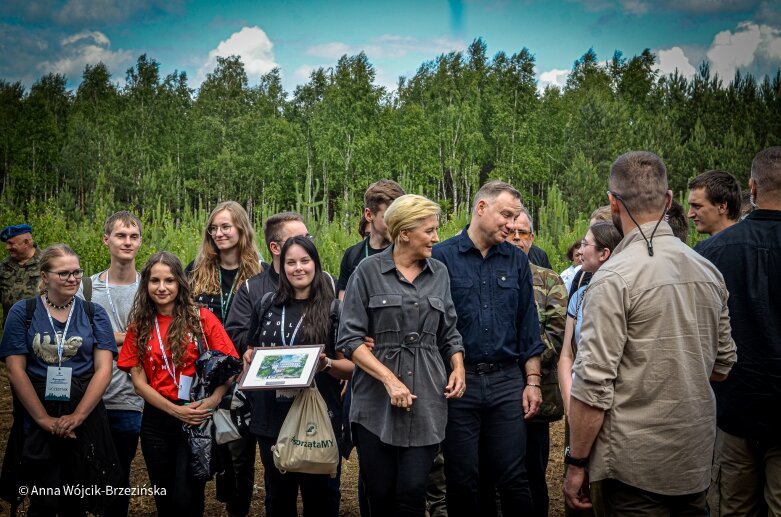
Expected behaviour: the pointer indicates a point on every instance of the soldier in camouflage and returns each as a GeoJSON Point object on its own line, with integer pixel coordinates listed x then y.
{"type": "Point", "coordinates": [19, 270]}
{"type": "Point", "coordinates": [550, 294]}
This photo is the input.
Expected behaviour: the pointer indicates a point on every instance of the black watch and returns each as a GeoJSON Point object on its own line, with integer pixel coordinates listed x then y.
{"type": "Point", "coordinates": [577, 462]}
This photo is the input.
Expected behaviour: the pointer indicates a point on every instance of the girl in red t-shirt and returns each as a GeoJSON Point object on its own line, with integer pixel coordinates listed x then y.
{"type": "Point", "coordinates": [160, 353]}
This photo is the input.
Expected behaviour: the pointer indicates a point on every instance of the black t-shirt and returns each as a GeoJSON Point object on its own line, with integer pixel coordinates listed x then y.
{"type": "Point", "coordinates": [212, 301]}
{"type": "Point", "coordinates": [350, 260]}
{"type": "Point", "coordinates": [269, 408]}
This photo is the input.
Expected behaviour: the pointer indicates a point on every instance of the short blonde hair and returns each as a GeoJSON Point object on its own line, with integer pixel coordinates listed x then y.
{"type": "Point", "coordinates": [407, 212]}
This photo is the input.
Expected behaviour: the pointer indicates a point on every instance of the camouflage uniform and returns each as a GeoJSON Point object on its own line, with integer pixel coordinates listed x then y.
{"type": "Point", "coordinates": [550, 294]}
{"type": "Point", "coordinates": [18, 282]}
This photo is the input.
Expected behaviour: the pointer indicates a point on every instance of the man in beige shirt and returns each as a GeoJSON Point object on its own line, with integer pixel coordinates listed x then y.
{"type": "Point", "coordinates": [655, 331]}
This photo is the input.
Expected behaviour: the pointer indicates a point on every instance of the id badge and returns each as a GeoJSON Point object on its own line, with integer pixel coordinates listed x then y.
{"type": "Point", "coordinates": [58, 383]}
{"type": "Point", "coordinates": [185, 383]}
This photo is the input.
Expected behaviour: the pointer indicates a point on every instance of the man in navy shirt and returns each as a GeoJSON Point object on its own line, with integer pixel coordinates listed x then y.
{"type": "Point", "coordinates": [491, 285]}
{"type": "Point", "coordinates": [747, 459]}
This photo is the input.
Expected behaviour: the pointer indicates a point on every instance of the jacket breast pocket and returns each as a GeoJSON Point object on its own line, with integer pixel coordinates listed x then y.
{"type": "Point", "coordinates": [385, 310]}
{"type": "Point", "coordinates": [506, 292]}
{"type": "Point", "coordinates": [434, 315]}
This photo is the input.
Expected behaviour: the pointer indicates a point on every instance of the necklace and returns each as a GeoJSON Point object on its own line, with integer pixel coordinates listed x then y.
{"type": "Point", "coordinates": [50, 304]}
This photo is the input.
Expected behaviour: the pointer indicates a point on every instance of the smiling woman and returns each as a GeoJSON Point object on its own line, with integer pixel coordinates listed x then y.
{"type": "Point", "coordinates": [401, 299]}
{"type": "Point", "coordinates": [58, 349]}
{"type": "Point", "coordinates": [303, 311]}
{"type": "Point", "coordinates": [160, 351]}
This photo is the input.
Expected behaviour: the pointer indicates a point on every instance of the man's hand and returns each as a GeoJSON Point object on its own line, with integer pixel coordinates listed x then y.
{"type": "Point", "coordinates": [576, 491]}
{"type": "Point", "coordinates": [532, 398]}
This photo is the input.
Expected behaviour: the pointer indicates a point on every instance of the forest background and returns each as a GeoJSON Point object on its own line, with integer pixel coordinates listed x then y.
{"type": "Point", "coordinates": [170, 153]}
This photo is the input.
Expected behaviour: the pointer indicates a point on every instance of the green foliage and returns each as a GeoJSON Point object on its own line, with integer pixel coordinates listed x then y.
{"type": "Point", "coordinates": [155, 145]}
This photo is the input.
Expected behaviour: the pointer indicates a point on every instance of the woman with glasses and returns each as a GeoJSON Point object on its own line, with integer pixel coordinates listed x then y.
{"type": "Point", "coordinates": [160, 350]}
{"type": "Point", "coordinates": [59, 349]}
{"type": "Point", "coordinates": [302, 311]}
{"type": "Point", "coordinates": [401, 298]}
{"type": "Point", "coordinates": [228, 256]}
{"type": "Point", "coordinates": [597, 246]}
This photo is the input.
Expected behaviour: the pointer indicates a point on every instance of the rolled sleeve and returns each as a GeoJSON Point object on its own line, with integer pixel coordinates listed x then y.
{"type": "Point", "coordinates": [726, 355]}
{"type": "Point", "coordinates": [602, 339]}
{"type": "Point", "coordinates": [528, 324]}
{"type": "Point", "coordinates": [354, 322]}
{"type": "Point", "coordinates": [449, 339]}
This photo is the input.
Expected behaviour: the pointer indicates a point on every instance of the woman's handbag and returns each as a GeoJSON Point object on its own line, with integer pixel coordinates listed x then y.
{"type": "Point", "coordinates": [306, 442]}
{"type": "Point", "coordinates": [231, 419]}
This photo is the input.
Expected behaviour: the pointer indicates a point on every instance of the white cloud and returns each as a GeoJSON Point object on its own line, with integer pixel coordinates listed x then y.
{"type": "Point", "coordinates": [333, 50]}
{"type": "Point", "coordinates": [251, 44]}
{"type": "Point", "coordinates": [87, 48]}
{"type": "Point", "coordinates": [98, 37]}
{"type": "Point", "coordinates": [731, 51]}
{"type": "Point", "coordinates": [556, 77]}
{"type": "Point", "coordinates": [673, 59]}
{"type": "Point", "coordinates": [388, 46]}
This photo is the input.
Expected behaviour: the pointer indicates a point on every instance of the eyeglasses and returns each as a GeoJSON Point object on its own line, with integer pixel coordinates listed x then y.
{"type": "Point", "coordinates": [224, 228]}
{"type": "Point", "coordinates": [522, 233]}
{"type": "Point", "coordinates": [65, 275]}
{"type": "Point", "coordinates": [584, 243]}
{"type": "Point", "coordinates": [615, 195]}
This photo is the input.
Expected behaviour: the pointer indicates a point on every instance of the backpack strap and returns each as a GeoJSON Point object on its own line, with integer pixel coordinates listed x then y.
{"type": "Point", "coordinates": [29, 310]}
{"type": "Point", "coordinates": [31, 303]}
{"type": "Point", "coordinates": [333, 284]}
{"type": "Point", "coordinates": [334, 315]}
{"type": "Point", "coordinates": [86, 289]}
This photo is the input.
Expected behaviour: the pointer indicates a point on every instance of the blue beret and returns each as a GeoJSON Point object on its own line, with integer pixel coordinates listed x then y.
{"type": "Point", "coordinates": [12, 231]}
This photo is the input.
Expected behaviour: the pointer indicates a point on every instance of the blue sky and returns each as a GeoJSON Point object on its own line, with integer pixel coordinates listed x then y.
{"type": "Point", "coordinates": [40, 36]}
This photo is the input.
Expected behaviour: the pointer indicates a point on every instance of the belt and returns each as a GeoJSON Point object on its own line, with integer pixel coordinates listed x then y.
{"type": "Point", "coordinates": [483, 368]}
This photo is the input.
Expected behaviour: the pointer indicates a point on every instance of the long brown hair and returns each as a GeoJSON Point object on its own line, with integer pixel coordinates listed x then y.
{"type": "Point", "coordinates": [205, 275]}
{"type": "Point", "coordinates": [185, 321]}
{"type": "Point", "coordinates": [316, 326]}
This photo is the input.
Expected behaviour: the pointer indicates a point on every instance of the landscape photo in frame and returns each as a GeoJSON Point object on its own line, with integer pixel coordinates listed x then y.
{"type": "Point", "coordinates": [281, 367]}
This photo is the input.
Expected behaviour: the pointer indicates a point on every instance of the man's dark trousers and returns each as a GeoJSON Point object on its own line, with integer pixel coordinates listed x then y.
{"type": "Point", "coordinates": [485, 427]}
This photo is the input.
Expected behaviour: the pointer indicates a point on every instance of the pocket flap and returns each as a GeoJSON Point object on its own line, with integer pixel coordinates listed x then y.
{"type": "Point", "coordinates": [436, 303]}
{"type": "Point", "coordinates": [377, 301]}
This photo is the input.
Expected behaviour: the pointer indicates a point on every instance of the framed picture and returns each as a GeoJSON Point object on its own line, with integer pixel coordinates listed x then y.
{"type": "Point", "coordinates": [281, 367]}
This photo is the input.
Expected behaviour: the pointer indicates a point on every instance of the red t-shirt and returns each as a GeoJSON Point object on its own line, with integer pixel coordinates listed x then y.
{"type": "Point", "coordinates": [154, 367]}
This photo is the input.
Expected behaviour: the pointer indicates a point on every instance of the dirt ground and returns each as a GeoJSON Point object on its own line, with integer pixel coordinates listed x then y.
{"type": "Point", "coordinates": [145, 506]}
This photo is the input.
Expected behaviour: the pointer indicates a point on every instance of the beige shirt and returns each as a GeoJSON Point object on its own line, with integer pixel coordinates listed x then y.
{"type": "Point", "coordinates": [654, 329]}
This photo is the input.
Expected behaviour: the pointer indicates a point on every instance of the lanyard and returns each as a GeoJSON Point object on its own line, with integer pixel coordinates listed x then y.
{"type": "Point", "coordinates": [225, 304]}
{"type": "Point", "coordinates": [122, 326]}
{"type": "Point", "coordinates": [295, 331]}
{"type": "Point", "coordinates": [60, 340]}
{"type": "Point", "coordinates": [169, 367]}
{"type": "Point", "coordinates": [366, 248]}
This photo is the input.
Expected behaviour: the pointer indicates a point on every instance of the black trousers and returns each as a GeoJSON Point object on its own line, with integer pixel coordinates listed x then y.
{"type": "Point", "coordinates": [537, 452]}
{"type": "Point", "coordinates": [282, 489]}
{"type": "Point", "coordinates": [125, 429]}
{"type": "Point", "coordinates": [395, 478]}
{"type": "Point", "coordinates": [165, 452]}
{"type": "Point", "coordinates": [236, 479]}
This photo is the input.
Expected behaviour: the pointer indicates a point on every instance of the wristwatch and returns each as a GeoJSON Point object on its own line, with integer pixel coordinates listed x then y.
{"type": "Point", "coordinates": [327, 365]}
{"type": "Point", "coordinates": [576, 462]}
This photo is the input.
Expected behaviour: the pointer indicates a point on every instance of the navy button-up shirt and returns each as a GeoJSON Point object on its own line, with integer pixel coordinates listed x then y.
{"type": "Point", "coordinates": [494, 300]}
